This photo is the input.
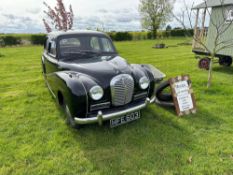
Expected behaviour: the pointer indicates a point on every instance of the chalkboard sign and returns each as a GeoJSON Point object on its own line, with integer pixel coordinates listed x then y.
{"type": "Point", "coordinates": [183, 95]}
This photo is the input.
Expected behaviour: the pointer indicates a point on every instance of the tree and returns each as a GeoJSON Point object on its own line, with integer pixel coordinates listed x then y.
{"type": "Point", "coordinates": [168, 28]}
{"type": "Point", "coordinates": [155, 13]}
{"type": "Point", "coordinates": [59, 18]}
{"type": "Point", "coordinates": [221, 28]}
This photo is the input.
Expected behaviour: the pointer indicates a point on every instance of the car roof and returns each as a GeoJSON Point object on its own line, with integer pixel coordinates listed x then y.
{"type": "Point", "coordinates": [74, 32]}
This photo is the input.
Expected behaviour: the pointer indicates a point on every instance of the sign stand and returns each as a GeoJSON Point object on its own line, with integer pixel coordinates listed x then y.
{"type": "Point", "coordinates": [183, 95]}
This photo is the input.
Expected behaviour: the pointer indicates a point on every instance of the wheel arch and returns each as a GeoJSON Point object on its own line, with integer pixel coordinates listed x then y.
{"type": "Point", "coordinates": [60, 98]}
{"type": "Point", "coordinates": [70, 91]}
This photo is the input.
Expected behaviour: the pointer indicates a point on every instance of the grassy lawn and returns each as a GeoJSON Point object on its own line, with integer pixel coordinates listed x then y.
{"type": "Point", "coordinates": [35, 140]}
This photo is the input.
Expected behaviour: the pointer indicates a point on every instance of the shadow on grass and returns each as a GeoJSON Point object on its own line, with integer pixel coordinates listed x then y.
{"type": "Point", "coordinates": [156, 143]}
{"type": "Point", "coordinates": [152, 141]}
{"type": "Point", "coordinates": [226, 70]}
{"type": "Point", "coordinates": [204, 119]}
{"type": "Point", "coordinates": [170, 109]}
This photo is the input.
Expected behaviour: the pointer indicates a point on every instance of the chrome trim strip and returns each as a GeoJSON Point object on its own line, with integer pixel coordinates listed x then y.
{"type": "Point", "coordinates": [141, 95]}
{"type": "Point", "coordinates": [152, 100]}
{"type": "Point", "coordinates": [104, 117]}
{"type": "Point", "coordinates": [106, 105]}
{"type": "Point", "coordinates": [100, 104]}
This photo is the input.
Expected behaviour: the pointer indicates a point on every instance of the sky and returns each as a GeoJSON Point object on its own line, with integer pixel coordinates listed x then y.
{"type": "Point", "coordinates": [25, 16]}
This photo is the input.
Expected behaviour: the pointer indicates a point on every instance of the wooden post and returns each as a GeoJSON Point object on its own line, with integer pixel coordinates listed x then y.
{"type": "Point", "coordinates": [195, 29]}
{"type": "Point", "coordinates": [203, 25]}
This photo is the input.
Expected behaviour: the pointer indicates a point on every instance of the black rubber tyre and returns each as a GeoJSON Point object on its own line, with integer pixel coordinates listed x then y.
{"type": "Point", "coordinates": [204, 63]}
{"type": "Point", "coordinates": [69, 119]}
{"type": "Point", "coordinates": [161, 96]}
{"type": "Point", "coordinates": [225, 61]}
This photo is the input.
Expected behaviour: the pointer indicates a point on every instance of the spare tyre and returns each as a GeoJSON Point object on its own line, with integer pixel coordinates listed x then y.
{"type": "Point", "coordinates": [161, 95]}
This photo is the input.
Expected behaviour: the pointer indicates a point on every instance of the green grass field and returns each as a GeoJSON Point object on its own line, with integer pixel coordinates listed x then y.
{"type": "Point", "coordinates": [34, 139]}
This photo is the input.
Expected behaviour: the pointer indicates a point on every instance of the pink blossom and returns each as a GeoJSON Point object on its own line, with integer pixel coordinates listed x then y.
{"type": "Point", "coordinates": [47, 27]}
{"type": "Point", "coordinates": [59, 18]}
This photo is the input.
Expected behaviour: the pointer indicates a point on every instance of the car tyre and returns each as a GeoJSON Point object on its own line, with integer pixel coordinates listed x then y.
{"type": "Point", "coordinates": [162, 96]}
{"type": "Point", "coordinates": [204, 63]}
{"type": "Point", "coordinates": [225, 61]}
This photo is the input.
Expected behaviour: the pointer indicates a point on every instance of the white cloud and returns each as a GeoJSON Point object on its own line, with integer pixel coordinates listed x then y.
{"type": "Point", "coordinates": [24, 16]}
{"type": "Point", "coordinates": [34, 10]}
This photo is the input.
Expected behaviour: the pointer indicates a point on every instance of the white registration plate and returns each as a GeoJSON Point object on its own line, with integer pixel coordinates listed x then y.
{"type": "Point", "coordinates": [125, 119]}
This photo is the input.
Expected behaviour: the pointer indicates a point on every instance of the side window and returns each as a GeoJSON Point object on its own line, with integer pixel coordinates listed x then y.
{"type": "Point", "coordinates": [70, 42]}
{"type": "Point", "coordinates": [52, 48]}
{"type": "Point", "coordinates": [46, 44]}
{"type": "Point", "coordinates": [94, 43]}
{"type": "Point", "coordinates": [107, 45]}
{"type": "Point", "coordinates": [69, 45]}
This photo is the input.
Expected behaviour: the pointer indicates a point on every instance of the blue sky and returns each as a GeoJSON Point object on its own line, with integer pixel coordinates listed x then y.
{"type": "Point", "coordinates": [24, 16]}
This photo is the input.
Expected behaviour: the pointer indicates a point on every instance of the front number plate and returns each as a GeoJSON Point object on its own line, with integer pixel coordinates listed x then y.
{"type": "Point", "coordinates": [125, 119]}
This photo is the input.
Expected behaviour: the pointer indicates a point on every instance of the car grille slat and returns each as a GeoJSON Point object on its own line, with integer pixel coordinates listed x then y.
{"type": "Point", "coordinates": [122, 89]}
{"type": "Point", "coordinates": [100, 106]}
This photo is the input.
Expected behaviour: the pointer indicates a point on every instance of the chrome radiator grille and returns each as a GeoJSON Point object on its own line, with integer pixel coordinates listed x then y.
{"type": "Point", "coordinates": [122, 89]}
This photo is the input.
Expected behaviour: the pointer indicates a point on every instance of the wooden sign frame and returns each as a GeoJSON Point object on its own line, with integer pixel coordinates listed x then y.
{"type": "Point", "coordinates": [173, 84]}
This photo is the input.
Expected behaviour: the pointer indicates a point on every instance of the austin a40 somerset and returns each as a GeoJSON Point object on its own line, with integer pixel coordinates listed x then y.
{"type": "Point", "coordinates": [92, 83]}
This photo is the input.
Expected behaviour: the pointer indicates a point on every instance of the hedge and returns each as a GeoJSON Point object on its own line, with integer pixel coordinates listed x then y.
{"type": "Point", "coordinates": [1, 42]}
{"type": "Point", "coordinates": [38, 39]}
{"type": "Point", "coordinates": [9, 40]}
{"type": "Point", "coordinates": [181, 32]}
{"type": "Point", "coordinates": [121, 36]}
{"type": "Point", "coordinates": [127, 36]}
{"type": "Point", "coordinates": [139, 35]}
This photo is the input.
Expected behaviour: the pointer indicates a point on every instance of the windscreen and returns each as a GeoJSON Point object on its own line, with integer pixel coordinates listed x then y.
{"type": "Point", "coordinates": [85, 45]}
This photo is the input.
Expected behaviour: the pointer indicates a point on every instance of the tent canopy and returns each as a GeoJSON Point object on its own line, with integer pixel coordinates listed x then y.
{"type": "Point", "coordinates": [213, 3]}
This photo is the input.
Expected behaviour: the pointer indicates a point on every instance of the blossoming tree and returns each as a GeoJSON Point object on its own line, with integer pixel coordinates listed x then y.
{"type": "Point", "coordinates": [59, 18]}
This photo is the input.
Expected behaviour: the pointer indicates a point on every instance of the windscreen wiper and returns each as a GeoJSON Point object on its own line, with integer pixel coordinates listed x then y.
{"type": "Point", "coordinates": [91, 52]}
{"type": "Point", "coordinates": [73, 55]}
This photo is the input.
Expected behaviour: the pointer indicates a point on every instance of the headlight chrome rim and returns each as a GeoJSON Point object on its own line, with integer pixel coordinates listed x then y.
{"type": "Point", "coordinates": [144, 83]}
{"type": "Point", "coordinates": [96, 93]}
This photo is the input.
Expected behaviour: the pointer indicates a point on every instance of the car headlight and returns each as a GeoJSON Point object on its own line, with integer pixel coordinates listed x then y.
{"type": "Point", "coordinates": [96, 93]}
{"type": "Point", "coordinates": [144, 83]}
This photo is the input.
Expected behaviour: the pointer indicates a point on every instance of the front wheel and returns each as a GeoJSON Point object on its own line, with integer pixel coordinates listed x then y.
{"type": "Point", "coordinates": [69, 119]}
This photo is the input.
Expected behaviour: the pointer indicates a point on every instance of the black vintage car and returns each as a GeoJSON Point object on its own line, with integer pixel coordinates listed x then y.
{"type": "Point", "coordinates": [92, 83]}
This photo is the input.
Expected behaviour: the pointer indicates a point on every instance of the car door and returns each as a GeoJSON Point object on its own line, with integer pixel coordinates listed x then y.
{"type": "Point", "coordinates": [50, 57]}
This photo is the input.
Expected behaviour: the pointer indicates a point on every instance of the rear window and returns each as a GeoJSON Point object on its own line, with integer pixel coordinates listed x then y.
{"type": "Point", "coordinates": [70, 42]}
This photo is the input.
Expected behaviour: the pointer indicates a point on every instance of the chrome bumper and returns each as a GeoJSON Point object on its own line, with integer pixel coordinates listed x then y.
{"type": "Point", "coordinates": [100, 118]}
